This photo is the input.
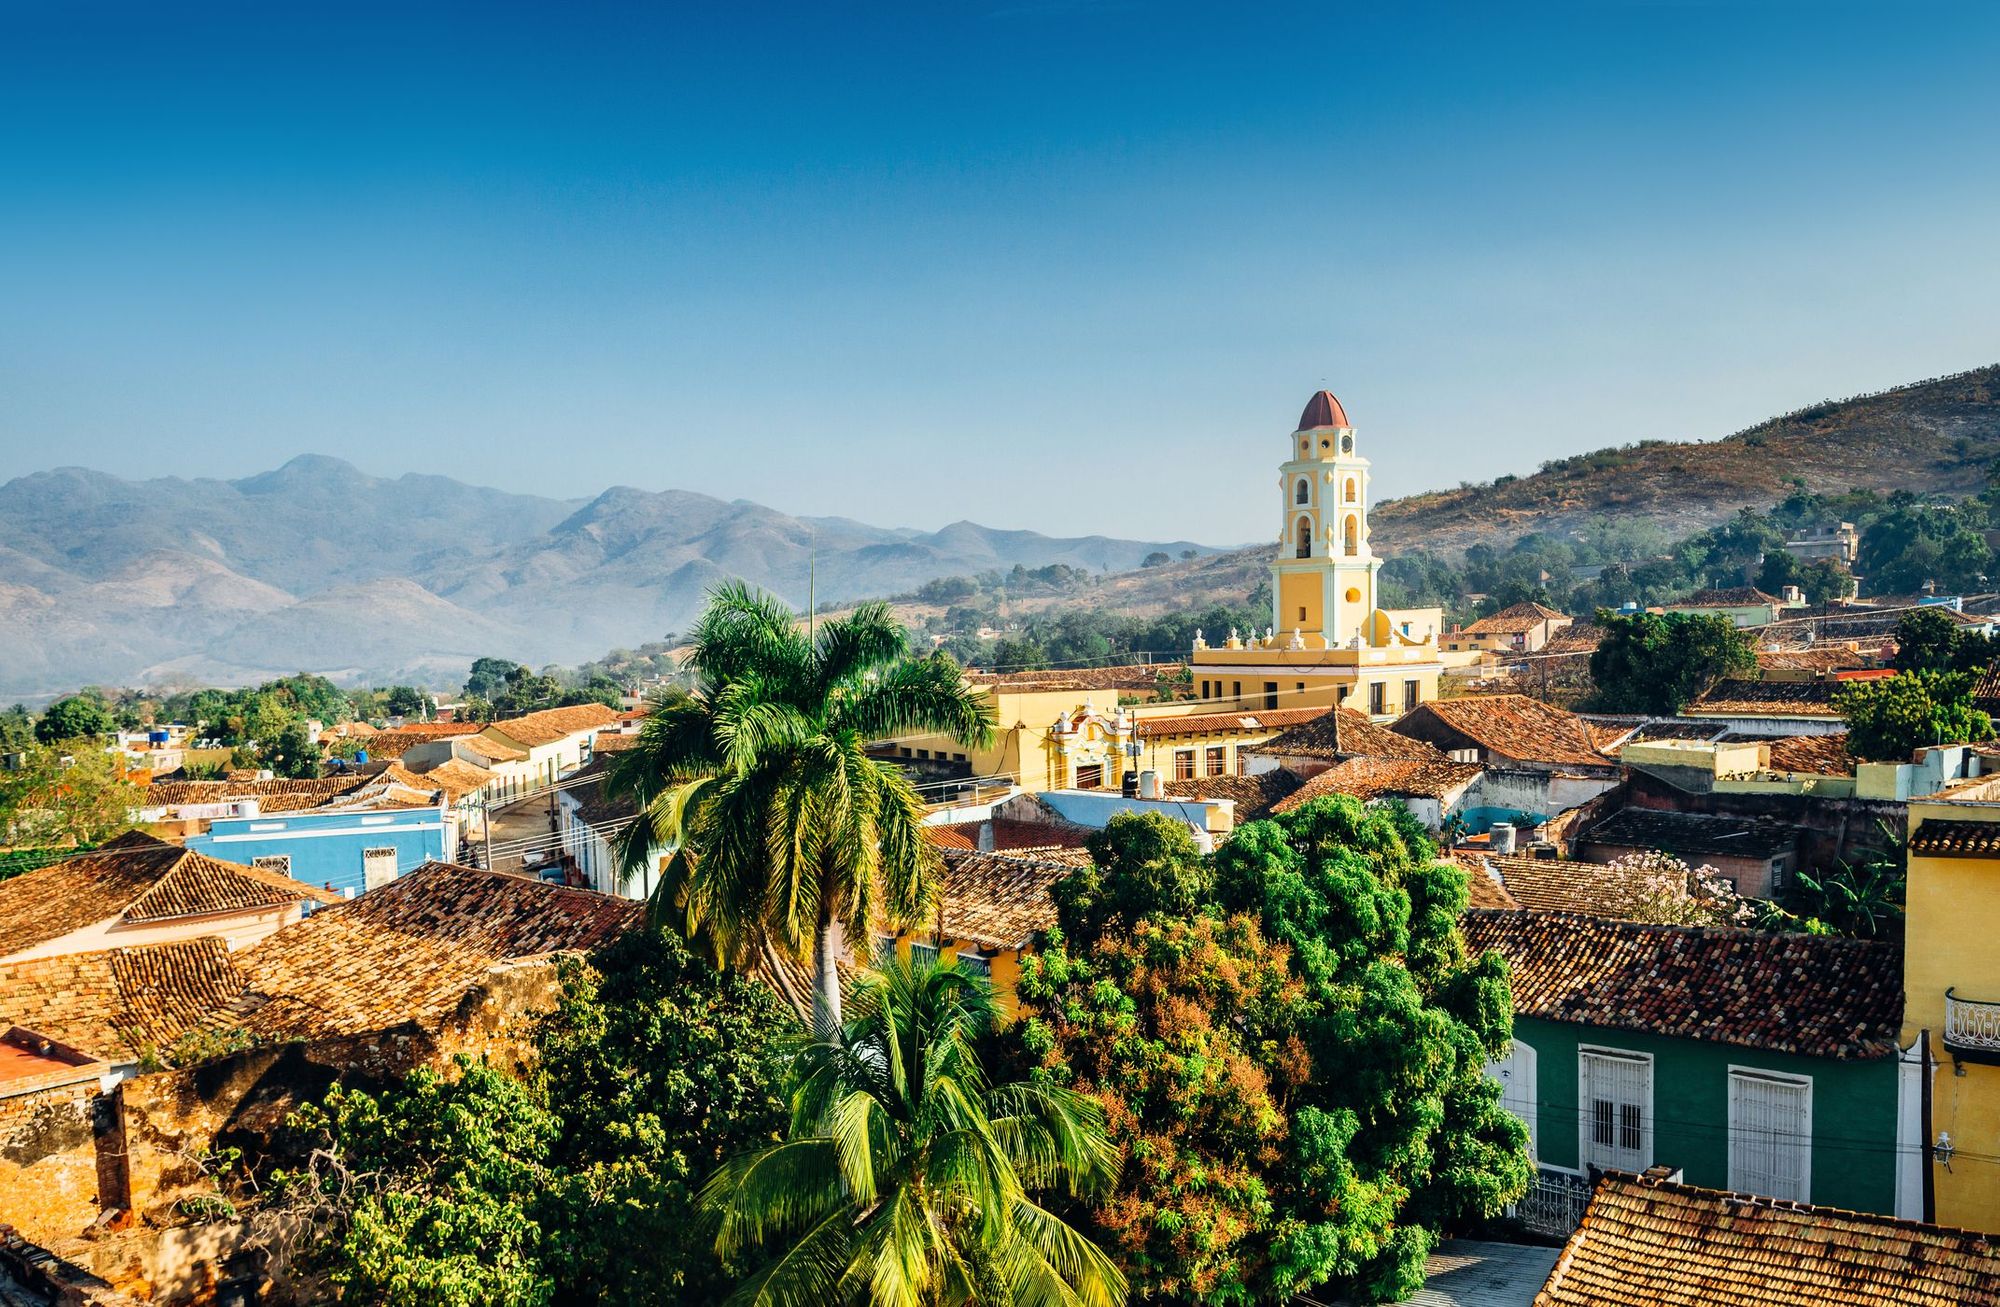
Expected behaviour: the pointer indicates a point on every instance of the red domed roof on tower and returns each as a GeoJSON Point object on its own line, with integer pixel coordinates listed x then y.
{"type": "Point", "coordinates": [1323, 410]}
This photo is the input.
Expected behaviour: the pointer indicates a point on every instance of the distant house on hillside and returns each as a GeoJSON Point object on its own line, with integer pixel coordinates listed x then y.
{"type": "Point", "coordinates": [1523, 628]}
{"type": "Point", "coordinates": [1838, 541]}
{"type": "Point", "coordinates": [1743, 605]}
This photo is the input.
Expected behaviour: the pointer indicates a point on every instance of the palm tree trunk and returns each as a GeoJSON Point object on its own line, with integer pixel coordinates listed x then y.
{"type": "Point", "coordinates": [828, 943]}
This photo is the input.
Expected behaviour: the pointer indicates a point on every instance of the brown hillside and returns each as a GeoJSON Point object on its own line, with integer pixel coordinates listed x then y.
{"type": "Point", "coordinates": [1931, 437]}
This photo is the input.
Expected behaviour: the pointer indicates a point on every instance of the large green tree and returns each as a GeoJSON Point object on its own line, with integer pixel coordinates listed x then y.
{"type": "Point", "coordinates": [786, 832]}
{"type": "Point", "coordinates": [1289, 1040]}
{"type": "Point", "coordinates": [1891, 718]}
{"type": "Point", "coordinates": [78, 717]}
{"type": "Point", "coordinates": [57, 799]}
{"type": "Point", "coordinates": [1655, 663]}
{"type": "Point", "coordinates": [658, 1068]}
{"type": "Point", "coordinates": [906, 1178]}
{"type": "Point", "coordinates": [425, 1196]}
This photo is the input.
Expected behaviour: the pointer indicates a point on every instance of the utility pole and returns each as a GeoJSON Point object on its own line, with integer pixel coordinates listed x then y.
{"type": "Point", "coordinates": [486, 823]}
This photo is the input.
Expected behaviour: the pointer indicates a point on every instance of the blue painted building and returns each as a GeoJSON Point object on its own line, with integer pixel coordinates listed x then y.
{"type": "Point", "coordinates": [347, 851]}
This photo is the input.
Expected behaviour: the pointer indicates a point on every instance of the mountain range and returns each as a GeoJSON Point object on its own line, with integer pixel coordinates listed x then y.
{"type": "Point", "coordinates": [319, 566]}
{"type": "Point", "coordinates": [322, 567]}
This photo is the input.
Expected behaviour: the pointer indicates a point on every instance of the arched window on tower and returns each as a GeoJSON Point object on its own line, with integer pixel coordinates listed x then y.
{"type": "Point", "coordinates": [1351, 536]}
{"type": "Point", "coordinates": [1350, 490]}
{"type": "Point", "coordinates": [1305, 537]}
{"type": "Point", "coordinates": [1304, 491]}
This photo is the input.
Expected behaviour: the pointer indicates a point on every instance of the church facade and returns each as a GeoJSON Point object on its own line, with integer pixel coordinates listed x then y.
{"type": "Point", "coordinates": [1330, 641]}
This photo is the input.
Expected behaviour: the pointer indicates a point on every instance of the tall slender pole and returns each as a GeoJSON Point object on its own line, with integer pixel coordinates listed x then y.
{"type": "Point", "coordinates": [1930, 1136]}
{"type": "Point", "coordinates": [486, 823]}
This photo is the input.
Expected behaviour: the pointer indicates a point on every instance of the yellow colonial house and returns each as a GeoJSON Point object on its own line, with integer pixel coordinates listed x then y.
{"type": "Point", "coordinates": [1951, 989]}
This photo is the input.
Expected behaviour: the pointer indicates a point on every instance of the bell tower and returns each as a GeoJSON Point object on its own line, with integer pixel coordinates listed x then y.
{"type": "Point", "coordinates": [1323, 578]}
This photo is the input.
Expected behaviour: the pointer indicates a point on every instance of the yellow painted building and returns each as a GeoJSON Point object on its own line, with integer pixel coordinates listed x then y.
{"type": "Point", "coordinates": [1330, 641]}
{"type": "Point", "coordinates": [1951, 988]}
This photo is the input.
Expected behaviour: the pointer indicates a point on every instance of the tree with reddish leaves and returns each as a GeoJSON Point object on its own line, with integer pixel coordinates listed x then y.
{"type": "Point", "coordinates": [1288, 1039]}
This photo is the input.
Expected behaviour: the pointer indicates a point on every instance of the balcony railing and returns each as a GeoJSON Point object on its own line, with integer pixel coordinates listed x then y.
{"type": "Point", "coordinates": [1971, 1028]}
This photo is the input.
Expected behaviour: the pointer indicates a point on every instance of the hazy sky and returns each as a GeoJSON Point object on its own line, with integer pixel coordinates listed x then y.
{"type": "Point", "coordinates": [1068, 266]}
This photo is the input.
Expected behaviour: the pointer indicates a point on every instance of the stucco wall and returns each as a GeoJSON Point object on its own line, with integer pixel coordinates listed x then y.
{"type": "Point", "coordinates": [48, 1162]}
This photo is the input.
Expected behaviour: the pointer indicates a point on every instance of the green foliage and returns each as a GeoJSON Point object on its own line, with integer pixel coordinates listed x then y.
{"type": "Point", "coordinates": [57, 799]}
{"type": "Point", "coordinates": [488, 677]}
{"type": "Point", "coordinates": [78, 717]}
{"type": "Point", "coordinates": [1891, 718]}
{"type": "Point", "coordinates": [906, 1177]}
{"type": "Point", "coordinates": [292, 753]}
{"type": "Point", "coordinates": [447, 1176]}
{"type": "Point", "coordinates": [1656, 663]}
{"type": "Point", "coordinates": [240, 717]}
{"type": "Point", "coordinates": [408, 702]}
{"type": "Point", "coordinates": [760, 780]}
{"type": "Point", "coordinates": [1913, 543]}
{"type": "Point", "coordinates": [1862, 899]}
{"type": "Point", "coordinates": [1289, 1043]}
{"type": "Point", "coordinates": [575, 1186]}
{"type": "Point", "coordinates": [658, 1068]}
{"type": "Point", "coordinates": [1926, 641]}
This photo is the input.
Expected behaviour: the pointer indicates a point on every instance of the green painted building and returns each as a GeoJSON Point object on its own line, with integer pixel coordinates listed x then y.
{"type": "Point", "coordinates": [1761, 1063]}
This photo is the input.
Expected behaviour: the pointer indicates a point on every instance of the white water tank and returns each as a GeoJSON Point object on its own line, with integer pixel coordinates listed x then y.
{"type": "Point", "coordinates": [1149, 784]}
{"type": "Point", "coordinates": [1501, 838]}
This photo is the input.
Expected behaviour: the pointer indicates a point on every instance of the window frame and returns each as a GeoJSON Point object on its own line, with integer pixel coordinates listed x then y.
{"type": "Point", "coordinates": [922, 954]}
{"type": "Point", "coordinates": [279, 862]}
{"type": "Point", "coordinates": [1589, 1152]}
{"type": "Point", "coordinates": [1738, 1165]}
{"type": "Point", "coordinates": [1215, 760]}
{"type": "Point", "coordinates": [1184, 764]}
{"type": "Point", "coordinates": [974, 962]}
{"type": "Point", "coordinates": [1378, 698]}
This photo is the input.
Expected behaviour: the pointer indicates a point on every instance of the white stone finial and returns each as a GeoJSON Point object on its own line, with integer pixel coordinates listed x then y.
{"type": "Point", "coordinates": [1298, 641]}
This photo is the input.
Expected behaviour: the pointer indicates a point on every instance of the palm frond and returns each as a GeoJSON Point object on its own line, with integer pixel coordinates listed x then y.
{"type": "Point", "coordinates": [927, 695]}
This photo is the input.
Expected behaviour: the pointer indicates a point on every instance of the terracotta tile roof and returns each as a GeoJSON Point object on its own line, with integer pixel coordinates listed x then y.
{"type": "Point", "coordinates": [412, 949]}
{"type": "Point", "coordinates": [136, 878]}
{"type": "Point", "coordinates": [116, 1003]}
{"type": "Point", "coordinates": [1010, 835]}
{"type": "Point", "coordinates": [1341, 733]}
{"type": "Point", "coordinates": [1562, 885]}
{"type": "Point", "coordinates": [1137, 676]}
{"type": "Point", "coordinates": [1819, 755]}
{"type": "Point", "coordinates": [1937, 838]}
{"type": "Point", "coordinates": [1738, 596]}
{"type": "Point", "coordinates": [492, 750]}
{"type": "Point", "coordinates": [553, 724]}
{"type": "Point", "coordinates": [1580, 637]}
{"type": "Point", "coordinates": [996, 901]}
{"type": "Point", "coordinates": [613, 742]}
{"type": "Point", "coordinates": [1821, 658]}
{"type": "Point", "coordinates": [1378, 778]}
{"type": "Point", "coordinates": [1277, 719]}
{"type": "Point", "coordinates": [1814, 995]}
{"type": "Point", "coordinates": [277, 795]}
{"type": "Point", "coordinates": [1515, 620]}
{"type": "Point", "coordinates": [1483, 888]}
{"type": "Point", "coordinates": [396, 743]}
{"type": "Point", "coordinates": [1646, 1243]}
{"type": "Point", "coordinates": [1516, 727]}
{"type": "Point", "coordinates": [1255, 796]}
{"type": "Point", "coordinates": [1735, 698]}
{"type": "Point", "coordinates": [456, 777]}
{"type": "Point", "coordinates": [1690, 835]}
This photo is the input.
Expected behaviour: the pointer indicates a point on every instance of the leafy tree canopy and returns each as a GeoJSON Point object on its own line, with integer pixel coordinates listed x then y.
{"type": "Point", "coordinates": [78, 717]}
{"type": "Point", "coordinates": [1657, 662]}
{"type": "Point", "coordinates": [59, 798]}
{"type": "Point", "coordinates": [292, 753]}
{"type": "Point", "coordinates": [1889, 719]}
{"type": "Point", "coordinates": [1289, 1042]}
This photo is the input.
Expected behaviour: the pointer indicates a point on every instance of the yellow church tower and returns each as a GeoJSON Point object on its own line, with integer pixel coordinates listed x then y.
{"type": "Point", "coordinates": [1323, 578]}
{"type": "Point", "coordinates": [1330, 640]}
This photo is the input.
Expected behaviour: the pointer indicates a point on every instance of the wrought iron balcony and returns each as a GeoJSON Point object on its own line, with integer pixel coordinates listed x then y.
{"type": "Point", "coordinates": [1971, 1029]}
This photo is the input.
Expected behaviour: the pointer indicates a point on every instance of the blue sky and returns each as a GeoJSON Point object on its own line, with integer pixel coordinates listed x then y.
{"type": "Point", "coordinates": [1067, 266]}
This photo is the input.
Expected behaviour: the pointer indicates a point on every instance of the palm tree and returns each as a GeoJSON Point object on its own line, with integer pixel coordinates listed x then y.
{"type": "Point", "coordinates": [905, 1177]}
{"type": "Point", "coordinates": [785, 832]}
